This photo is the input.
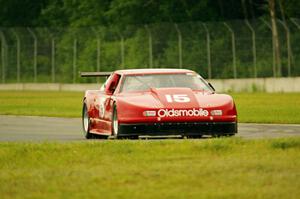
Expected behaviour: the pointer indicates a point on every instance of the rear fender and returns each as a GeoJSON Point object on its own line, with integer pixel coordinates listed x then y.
{"type": "Point", "coordinates": [90, 99]}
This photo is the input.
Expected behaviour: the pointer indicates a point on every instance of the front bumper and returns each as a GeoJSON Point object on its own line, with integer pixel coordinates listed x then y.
{"type": "Point", "coordinates": [178, 128]}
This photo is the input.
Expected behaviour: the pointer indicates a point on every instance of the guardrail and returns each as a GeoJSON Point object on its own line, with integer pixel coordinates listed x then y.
{"type": "Point", "coordinates": [268, 85]}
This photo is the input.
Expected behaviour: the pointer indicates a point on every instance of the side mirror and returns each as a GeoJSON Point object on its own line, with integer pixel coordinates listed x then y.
{"type": "Point", "coordinates": [211, 86]}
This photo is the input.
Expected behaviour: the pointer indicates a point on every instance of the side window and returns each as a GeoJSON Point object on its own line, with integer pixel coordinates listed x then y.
{"type": "Point", "coordinates": [112, 83]}
{"type": "Point", "coordinates": [102, 88]}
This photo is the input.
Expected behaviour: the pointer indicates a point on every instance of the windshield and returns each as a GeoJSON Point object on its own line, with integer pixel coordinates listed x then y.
{"type": "Point", "coordinates": [146, 82]}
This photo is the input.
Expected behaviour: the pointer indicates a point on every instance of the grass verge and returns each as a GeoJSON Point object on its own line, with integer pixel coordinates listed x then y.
{"type": "Point", "coordinates": [41, 103]}
{"type": "Point", "coordinates": [268, 107]}
{"type": "Point", "coordinates": [252, 107]}
{"type": "Point", "coordinates": [213, 168]}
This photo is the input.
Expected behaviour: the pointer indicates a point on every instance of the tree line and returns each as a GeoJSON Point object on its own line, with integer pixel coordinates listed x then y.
{"type": "Point", "coordinates": [92, 35]}
{"type": "Point", "coordinates": [78, 13]}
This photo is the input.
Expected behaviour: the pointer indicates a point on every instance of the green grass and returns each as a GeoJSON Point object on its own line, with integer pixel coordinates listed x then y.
{"type": "Point", "coordinates": [252, 107]}
{"type": "Point", "coordinates": [37, 103]}
{"type": "Point", "coordinates": [268, 107]}
{"type": "Point", "coordinates": [213, 168]}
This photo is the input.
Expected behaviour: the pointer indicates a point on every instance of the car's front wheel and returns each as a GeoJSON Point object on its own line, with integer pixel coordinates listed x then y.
{"type": "Point", "coordinates": [117, 132]}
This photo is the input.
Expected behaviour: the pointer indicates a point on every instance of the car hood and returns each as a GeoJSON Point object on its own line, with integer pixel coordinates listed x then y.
{"type": "Point", "coordinates": [174, 98]}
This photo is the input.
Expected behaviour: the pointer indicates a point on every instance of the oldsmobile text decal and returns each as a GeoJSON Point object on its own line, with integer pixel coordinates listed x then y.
{"type": "Point", "coordinates": [182, 113]}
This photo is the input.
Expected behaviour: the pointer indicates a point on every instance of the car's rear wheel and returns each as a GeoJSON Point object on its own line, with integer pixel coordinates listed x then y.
{"type": "Point", "coordinates": [86, 123]}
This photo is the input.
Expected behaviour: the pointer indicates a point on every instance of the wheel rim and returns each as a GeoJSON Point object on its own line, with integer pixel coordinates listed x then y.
{"type": "Point", "coordinates": [115, 123]}
{"type": "Point", "coordinates": [85, 120]}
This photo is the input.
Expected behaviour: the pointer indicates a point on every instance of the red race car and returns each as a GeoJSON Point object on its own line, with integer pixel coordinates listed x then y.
{"type": "Point", "coordinates": [156, 102]}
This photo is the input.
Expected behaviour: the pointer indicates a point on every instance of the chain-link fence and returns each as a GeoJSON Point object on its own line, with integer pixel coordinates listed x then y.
{"type": "Point", "coordinates": [234, 49]}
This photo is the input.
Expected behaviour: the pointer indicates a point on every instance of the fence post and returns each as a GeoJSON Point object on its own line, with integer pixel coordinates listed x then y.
{"type": "Point", "coordinates": [3, 55]}
{"type": "Point", "coordinates": [98, 64]}
{"type": "Point", "coordinates": [122, 52]}
{"type": "Point", "coordinates": [208, 50]}
{"type": "Point", "coordinates": [98, 54]}
{"type": "Point", "coordinates": [253, 47]}
{"type": "Point", "coordinates": [288, 43]}
{"type": "Point", "coordinates": [18, 54]}
{"type": "Point", "coordinates": [150, 46]}
{"type": "Point", "coordinates": [74, 59]}
{"type": "Point", "coordinates": [52, 56]}
{"type": "Point", "coordinates": [295, 23]}
{"type": "Point", "coordinates": [273, 48]}
{"type": "Point", "coordinates": [53, 59]}
{"type": "Point", "coordinates": [179, 45]}
{"type": "Point", "coordinates": [35, 40]}
{"type": "Point", "coordinates": [98, 49]}
{"type": "Point", "coordinates": [233, 49]}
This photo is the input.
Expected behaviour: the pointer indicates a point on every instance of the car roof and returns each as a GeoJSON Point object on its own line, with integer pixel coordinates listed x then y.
{"type": "Point", "coordinates": [152, 71]}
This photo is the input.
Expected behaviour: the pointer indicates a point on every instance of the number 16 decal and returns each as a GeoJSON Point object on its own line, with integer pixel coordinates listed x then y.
{"type": "Point", "coordinates": [181, 98]}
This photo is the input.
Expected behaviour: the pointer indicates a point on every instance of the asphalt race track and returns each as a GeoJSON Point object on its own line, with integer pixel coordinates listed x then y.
{"type": "Point", "coordinates": [32, 128]}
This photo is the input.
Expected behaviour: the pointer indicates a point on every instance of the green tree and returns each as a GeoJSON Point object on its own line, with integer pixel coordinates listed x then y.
{"type": "Point", "coordinates": [20, 13]}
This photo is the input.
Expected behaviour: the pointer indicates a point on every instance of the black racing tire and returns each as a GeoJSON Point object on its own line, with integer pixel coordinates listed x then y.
{"type": "Point", "coordinates": [86, 123]}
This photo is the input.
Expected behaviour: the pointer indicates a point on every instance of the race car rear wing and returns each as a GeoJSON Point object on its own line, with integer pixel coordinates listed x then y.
{"type": "Point", "coordinates": [95, 74]}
